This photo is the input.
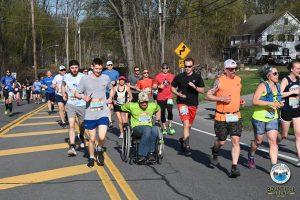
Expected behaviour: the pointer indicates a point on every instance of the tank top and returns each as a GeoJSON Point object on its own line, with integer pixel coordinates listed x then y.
{"type": "Point", "coordinates": [292, 101]}
{"type": "Point", "coordinates": [121, 96]}
{"type": "Point", "coordinates": [228, 87]}
{"type": "Point", "coordinates": [266, 113]}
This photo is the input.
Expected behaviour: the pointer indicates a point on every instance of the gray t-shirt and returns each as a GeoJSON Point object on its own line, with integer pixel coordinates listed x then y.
{"type": "Point", "coordinates": [133, 80]}
{"type": "Point", "coordinates": [95, 88]}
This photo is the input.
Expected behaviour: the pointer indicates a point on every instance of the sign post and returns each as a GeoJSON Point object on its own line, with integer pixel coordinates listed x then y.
{"type": "Point", "coordinates": [182, 51]}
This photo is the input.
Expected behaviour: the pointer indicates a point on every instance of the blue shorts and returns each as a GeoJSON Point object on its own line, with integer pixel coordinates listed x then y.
{"type": "Point", "coordinates": [50, 97]}
{"type": "Point", "coordinates": [92, 124]}
{"type": "Point", "coordinates": [261, 128]}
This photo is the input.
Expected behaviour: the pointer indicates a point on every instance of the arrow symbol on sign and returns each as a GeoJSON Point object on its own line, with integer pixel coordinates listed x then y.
{"type": "Point", "coordinates": [182, 50]}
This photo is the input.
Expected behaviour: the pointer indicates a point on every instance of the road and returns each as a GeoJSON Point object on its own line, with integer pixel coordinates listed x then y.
{"type": "Point", "coordinates": [34, 165]}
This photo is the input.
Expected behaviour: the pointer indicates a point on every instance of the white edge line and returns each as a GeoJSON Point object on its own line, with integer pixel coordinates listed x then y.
{"type": "Point", "coordinates": [241, 143]}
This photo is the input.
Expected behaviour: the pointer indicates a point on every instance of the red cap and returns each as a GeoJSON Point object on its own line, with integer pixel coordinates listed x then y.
{"type": "Point", "coordinates": [122, 78]}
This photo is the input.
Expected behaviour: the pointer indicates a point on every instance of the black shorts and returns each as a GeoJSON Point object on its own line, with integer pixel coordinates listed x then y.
{"type": "Point", "coordinates": [117, 108]}
{"type": "Point", "coordinates": [5, 94]}
{"type": "Point", "coordinates": [50, 97]}
{"type": "Point", "coordinates": [59, 99]}
{"type": "Point", "coordinates": [223, 129]}
{"type": "Point", "coordinates": [288, 115]}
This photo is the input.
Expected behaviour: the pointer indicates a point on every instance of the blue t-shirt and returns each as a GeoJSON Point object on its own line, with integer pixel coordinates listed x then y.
{"type": "Point", "coordinates": [8, 82]}
{"type": "Point", "coordinates": [48, 82]}
{"type": "Point", "coordinates": [37, 86]}
{"type": "Point", "coordinates": [112, 74]}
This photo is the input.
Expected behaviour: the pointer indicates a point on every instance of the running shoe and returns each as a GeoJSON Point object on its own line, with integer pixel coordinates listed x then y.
{"type": "Point", "coordinates": [181, 143]}
{"type": "Point", "coordinates": [6, 112]}
{"type": "Point", "coordinates": [234, 173]}
{"type": "Point", "coordinates": [100, 157]}
{"type": "Point", "coordinates": [72, 152]}
{"type": "Point", "coordinates": [141, 160]}
{"type": "Point", "coordinates": [171, 131]}
{"type": "Point", "coordinates": [298, 163]}
{"type": "Point", "coordinates": [82, 145]}
{"type": "Point", "coordinates": [63, 125]}
{"type": "Point", "coordinates": [164, 132]}
{"type": "Point", "coordinates": [121, 136]}
{"type": "Point", "coordinates": [214, 158]}
{"type": "Point", "coordinates": [251, 162]}
{"type": "Point", "coordinates": [91, 162]}
{"type": "Point", "coordinates": [151, 158]}
{"type": "Point", "coordinates": [187, 151]}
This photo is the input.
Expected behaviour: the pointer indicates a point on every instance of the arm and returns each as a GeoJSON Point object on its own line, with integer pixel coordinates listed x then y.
{"type": "Point", "coordinates": [112, 94]}
{"type": "Point", "coordinates": [174, 91]}
{"type": "Point", "coordinates": [129, 94]}
{"type": "Point", "coordinates": [210, 95]}
{"type": "Point", "coordinates": [283, 85]}
{"type": "Point", "coordinates": [198, 89]}
{"type": "Point", "coordinates": [158, 115]}
{"type": "Point", "coordinates": [63, 90]}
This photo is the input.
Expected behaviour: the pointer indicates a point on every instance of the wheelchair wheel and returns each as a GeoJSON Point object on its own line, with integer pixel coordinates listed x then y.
{"type": "Point", "coordinates": [160, 146]}
{"type": "Point", "coordinates": [126, 144]}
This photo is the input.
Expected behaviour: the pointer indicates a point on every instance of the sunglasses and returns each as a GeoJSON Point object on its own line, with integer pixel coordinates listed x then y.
{"type": "Point", "coordinates": [188, 66]}
{"type": "Point", "coordinates": [275, 73]}
{"type": "Point", "coordinates": [109, 65]}
{"type": "Point", "coordinates": [137, 70]}
{"type": "Point", "coordinates": [145, 72]}
{"type": "Point", "coordinates": [165, 68]}
{"type": "Point", "coordinates": [231, 69]}
{"type": "Point", "coordinates": [85, 71]}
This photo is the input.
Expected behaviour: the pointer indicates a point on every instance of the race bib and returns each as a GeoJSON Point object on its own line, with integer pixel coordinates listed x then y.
{"type": "Point", "coordinates": [294, 102]}
{"type": "Point", "coordinates": [270, 113]}
{"type": "Point", "coordinates": [96, 105]}
{"type": "Point", "coordinates": [27, 88]}
{"type": "Point", "coordinates": [170, 102]}
{"type": "Point", "coordinates": [16, 89]}
{"type": "Point", "coordinates": [183, 110]}
{"type": "Point", "coordinates": [144, 119]}
{"type": "Point", "coordinates": [231, 118]}
{"type": "Point", "coordinates": [120, 100]}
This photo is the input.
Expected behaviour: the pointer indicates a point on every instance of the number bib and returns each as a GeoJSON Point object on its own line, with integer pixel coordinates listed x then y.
{"type": "Point", "coordinates": [294, 102]}
{"type": "Point", "coordinates": [120, 100]}
{"type": "Point", "coordinates": [96, 105]}
{"type": "Point", "coordinates": [231, 118]}
{"type": "Point", "coordinates": [270, 113]}
{"type": "Point", "coordinates": [27, 88]}
{"type": "Point", "coordinates": [170, 102]}
{"type": "Point", "coordinates": [144, 119]}
{"type": "Point", "coordinates": [184, 110]}
{"type": "Point", "coordinates": [16, 89]}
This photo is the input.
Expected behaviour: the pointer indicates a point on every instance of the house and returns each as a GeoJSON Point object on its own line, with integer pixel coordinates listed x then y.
{"type": "Point", "coordinates": [265, 35]}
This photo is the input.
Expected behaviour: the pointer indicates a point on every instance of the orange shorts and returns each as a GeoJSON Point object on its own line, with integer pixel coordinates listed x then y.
{"type": "Point", "coordinates": [187, 112]}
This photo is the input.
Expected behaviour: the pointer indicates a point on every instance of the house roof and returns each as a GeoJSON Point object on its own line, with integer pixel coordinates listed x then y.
{"type": "Point", "coordinates": [256, 24]}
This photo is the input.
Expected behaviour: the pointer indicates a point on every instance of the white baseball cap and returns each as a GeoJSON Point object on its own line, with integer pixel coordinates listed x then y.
{"type": "Point", "coordinates": [230, 64]}
{"type": "Point", "coordinates": [143, 97]}
{"type": "Point", "coordinates": [62, 67]}
{"type": "Point", "coordinates": [109, 63]}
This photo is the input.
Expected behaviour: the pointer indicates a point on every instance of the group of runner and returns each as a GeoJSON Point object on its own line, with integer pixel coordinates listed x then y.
{"type": "Point", "coordinates": [88, 99]}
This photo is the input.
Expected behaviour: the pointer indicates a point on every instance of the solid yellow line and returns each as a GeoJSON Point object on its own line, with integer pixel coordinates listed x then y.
{"type": "Point", "coordinates": [32, 149]}
{"type": "Point", "coordinates": [37, 123]}
{"type": "Point", "coordinates": [109, 186]}
{"type": "Point", "coordinates": [45, 117]}
{"type": "Point", "coordinates": [25, 134]}
{"type": "Point", "coordinates": [19, 120]}
{"type": "Point", "coordinates": [125, 187]}
{"type": "Point", "coordinates": [43, 176]}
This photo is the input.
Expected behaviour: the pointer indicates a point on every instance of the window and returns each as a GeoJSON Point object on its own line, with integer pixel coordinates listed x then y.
{"type": "Point", "coordinates": [281, 38]}
{"type": "Point", "coordinates": [286, 21]}
{"type": "Point", "coordinates": [285, 52]}
{"type": "Point", "coordinates": [249, 37]}
{"type": "Point", "coordinates": [291, 38]}
{"type": "Point", "coordinates": [270, 38]}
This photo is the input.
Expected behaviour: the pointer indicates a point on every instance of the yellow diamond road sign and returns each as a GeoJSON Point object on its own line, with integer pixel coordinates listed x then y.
{"type": "Point", "coordinates": [182, 50]}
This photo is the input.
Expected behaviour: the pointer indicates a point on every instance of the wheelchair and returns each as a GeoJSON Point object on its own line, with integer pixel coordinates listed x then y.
{"type": "Point", "coordinates": [130, 146]}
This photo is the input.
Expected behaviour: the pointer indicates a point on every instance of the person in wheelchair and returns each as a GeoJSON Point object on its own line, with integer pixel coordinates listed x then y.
{"type": "Point", "coordinates": [141, 122]}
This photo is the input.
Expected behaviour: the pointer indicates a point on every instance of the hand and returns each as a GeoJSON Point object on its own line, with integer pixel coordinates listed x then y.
{"type": "Point", "coordinates": [181, 95]}
{"type": "Point", "coordinates": [65, 98]}
{"type": "Point", "coordinates": [226, 99]}
{"type": "Point", "coordinates": [109, 100]}
{"type": "Point", "coordinates": [86, 98]}
{"type": "Point", "coordinates": [277, 105]}
{"type": "Point", "coordinates": [192, 85]}
{"type": "Point", "coordinates": [296, 91]}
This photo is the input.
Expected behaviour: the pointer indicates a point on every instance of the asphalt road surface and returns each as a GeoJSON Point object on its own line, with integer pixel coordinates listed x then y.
{"type": "Point", "coordinates": [34, 165]}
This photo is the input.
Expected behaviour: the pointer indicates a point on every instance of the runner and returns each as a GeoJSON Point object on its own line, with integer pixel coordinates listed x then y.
{"type": "Point", "coordinates": [85, 71]}
{"type": "Point", "coordinates": [49, 91]}
{"type": "Point", "coordinates": [56, 84]}
{"type": "Point", "coordinates": [133, 79]}
{"type": "Point", "coordinates": [267, 101]}
{"type": "Point", "coordinates": [92, 89]}
{"type": "Point", "coordinates": [37, 91]}
{"type": "Point", "coordinates": [165, 97]}
{"type": "Point", "coordinates": [145, 84]}
{"type": "Point", "coordinates": [7, 83]}
{"type": "Point", "coordinates": [17, 91]}
{"type": "Point", "coordinates": [121, 94]}
{"type": "Point", "coordinates": [291, 108]}
{"type": "Point", "coordinates": [75, 108]}
{"type": "Point", "coordinates": [227, 95]}
{"type": "Point", "coordinates": [187, 86]}
{"type": "Point", "coordinates": [28, 88]}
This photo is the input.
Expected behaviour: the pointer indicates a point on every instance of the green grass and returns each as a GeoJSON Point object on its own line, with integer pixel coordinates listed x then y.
{"type": "Point", "coordinates": [247, 112]}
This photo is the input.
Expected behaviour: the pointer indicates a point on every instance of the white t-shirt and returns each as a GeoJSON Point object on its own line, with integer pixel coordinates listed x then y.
{"type": "Point", "coordinates": [71, 84]}
{"type": "Point", "coordinates": [58, 81]}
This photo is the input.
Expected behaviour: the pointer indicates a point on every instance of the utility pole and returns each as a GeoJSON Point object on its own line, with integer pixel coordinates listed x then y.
{"type": "Point", "coordinates": [160, 13]}
{"type": "Point", "coordinates": [79, 46]}
{"type": "Point", "coordinates": [67, 35]}
{"type": "Point", "coordinates": [162, 27]}
{"type": "Point", "coordinates": [33, 38]}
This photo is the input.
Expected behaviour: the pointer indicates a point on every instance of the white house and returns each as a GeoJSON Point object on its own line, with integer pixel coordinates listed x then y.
{"type": "Point", "coordinates": [266, 35]}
